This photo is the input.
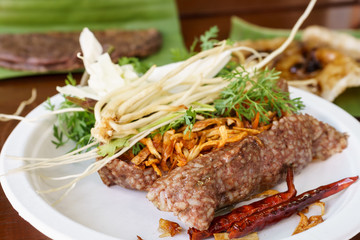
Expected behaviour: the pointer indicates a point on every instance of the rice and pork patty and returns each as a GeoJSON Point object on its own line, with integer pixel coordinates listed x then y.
{"type": "Point", "coordinates": [57, 51]}
{"type": "Point", "coordinates": [233, 173]}
{"type": "Point", "coordinates": [122, 172]}
{"type": "Point", "coordinates": [127, 175]}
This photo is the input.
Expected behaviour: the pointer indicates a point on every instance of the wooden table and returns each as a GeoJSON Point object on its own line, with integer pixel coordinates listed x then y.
{"type": "Point", "coordinates": [195, 19]}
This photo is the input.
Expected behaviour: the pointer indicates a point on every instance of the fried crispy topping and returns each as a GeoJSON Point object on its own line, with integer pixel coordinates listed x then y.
{"type": "Point", "coordinates": [176, 148]}
{"type": "Point", "coordinates": [309, 222]}
{"type": "Point", "coordinates": [168, 228]}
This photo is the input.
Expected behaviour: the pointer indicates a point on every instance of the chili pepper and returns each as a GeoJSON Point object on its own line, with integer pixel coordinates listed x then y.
{"type": "Point", "coordinates": [259, 220]}
{"type": "Point", "coordinates": [224, 222]}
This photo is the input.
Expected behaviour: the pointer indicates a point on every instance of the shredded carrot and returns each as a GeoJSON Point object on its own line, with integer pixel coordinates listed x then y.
{"type": "Point", "coordinates": [255, 122]}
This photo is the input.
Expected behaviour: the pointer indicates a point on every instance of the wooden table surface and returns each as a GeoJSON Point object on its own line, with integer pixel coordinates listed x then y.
{"type": "Point", "coordinates": [194, 21]}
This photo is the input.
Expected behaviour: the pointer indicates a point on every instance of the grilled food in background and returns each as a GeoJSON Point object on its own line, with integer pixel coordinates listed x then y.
{"type": "Point", "coordinates": [323, 62]}
{"type": "Point", "coordinates": [57, 51]}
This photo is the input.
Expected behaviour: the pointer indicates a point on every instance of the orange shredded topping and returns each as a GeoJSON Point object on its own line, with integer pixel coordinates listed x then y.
{"type": "Point", "coordinates": [255, 123]}
{"type": "Point", "coordinates": [175, 149]}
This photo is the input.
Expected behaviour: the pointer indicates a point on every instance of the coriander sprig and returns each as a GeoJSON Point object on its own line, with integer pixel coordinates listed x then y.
{"type": "Point", "coordinates": [248, 94]}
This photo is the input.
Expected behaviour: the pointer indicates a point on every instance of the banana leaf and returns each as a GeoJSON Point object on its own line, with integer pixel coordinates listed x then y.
{"type": "Point", "coordinates": [25, 16]}
{"type": "Point", "coordinates": [242, 30]}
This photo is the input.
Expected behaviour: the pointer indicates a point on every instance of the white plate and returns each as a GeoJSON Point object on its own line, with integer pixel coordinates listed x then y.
{"type": "Point", "coordinates": [94, 211]}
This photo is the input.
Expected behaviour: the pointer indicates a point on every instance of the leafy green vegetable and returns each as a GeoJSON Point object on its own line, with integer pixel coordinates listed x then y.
{"type": "Point", "coordinates": [48, 105]}
{"type": "Point", "coordinates": [249, 94]}
{"type": "Point", "coordinates": [208, 39]}
{"type": "Point", "coordinates": [109, 149]}
{"type": "Point", "coordinates": [70, 80]}
{"type": "Point", "coordinates": [229, 67]}
{"type": "Point", "coordinates": [58, 136]}
{"type": "Point", "coordinates": [181, 54]}
{"type": "Point", "coordinates": [137, 148]}
{"type": "Point", "coordinates": [73, 126]}
{"type": "Point", "coordinates": [189, 118]}
{"type": "Point", "coordinates": [139, 67]}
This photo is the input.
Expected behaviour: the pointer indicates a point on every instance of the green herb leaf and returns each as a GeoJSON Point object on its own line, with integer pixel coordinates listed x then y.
{"type": "Point", "coordinates": [75, 126]}
{"type": "Point", "coordinates": [110, 148]}
{"type": "Point", "coordinates": [48, 105]}
{"type": "Point", "coordinates": [207, 42]}
{"type": "Point", "coordinates": [228, 69]}
{"type": "Point", "coordinates": [70, 80]}
{"type": "Point", "coordinates": [139, 67]}
{"type": "Point", "coordinates": [246, 95]}
{"type": "Point", "coordinates": [189, 118]}
{"type": "Point", "coordinates": [137, 148]}
{"type": "Point", "coordinates": [181, 54]}
{"type": "Point", "coordinates": [58, 136]}
{"type": "Point", "coordinates": [207, 39]}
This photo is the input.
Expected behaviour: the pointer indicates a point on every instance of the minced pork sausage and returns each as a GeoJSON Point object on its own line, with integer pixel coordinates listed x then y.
{"type": "Point", "coordinates": [233, 173]}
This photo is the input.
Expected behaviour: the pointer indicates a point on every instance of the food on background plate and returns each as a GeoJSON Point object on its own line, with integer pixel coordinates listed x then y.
{"type": "Point", "coordinates": [57, 51]}
{"type": "Point", "coordinates": [324, 62]}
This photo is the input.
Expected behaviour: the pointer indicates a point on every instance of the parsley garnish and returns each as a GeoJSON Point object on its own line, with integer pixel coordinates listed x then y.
{"type": "Point", "coordinates": [246, 95]}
